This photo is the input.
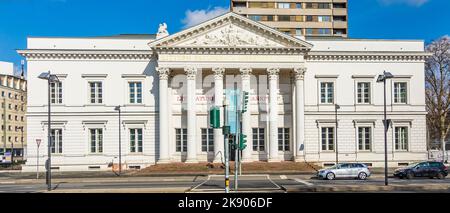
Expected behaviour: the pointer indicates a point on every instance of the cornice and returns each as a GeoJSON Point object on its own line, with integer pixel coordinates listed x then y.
{"type": "Point", "coordinates": [231, 50]}
{"type": "Point", "coordinates": [366, 56]}
{"type": "Point", "coordinates": [37, 54]}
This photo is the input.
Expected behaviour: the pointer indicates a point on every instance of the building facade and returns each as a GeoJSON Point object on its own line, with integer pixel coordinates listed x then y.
{"type": "Point", "coordinates": [165, 85]}
{"type": "Point", "coordinates": [298, 17]}
{"type": "Point", "coordinates": [14, 104]}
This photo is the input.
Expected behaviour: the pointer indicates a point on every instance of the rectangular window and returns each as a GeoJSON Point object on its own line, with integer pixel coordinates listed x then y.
{"type": "Point", "coordinates": [261, 4]}
{"type": "Point", "coordinates": [56, 96]}
{"type": "Point", "coordinates": [258, 139]}
{"type": "Point", "coordinates": [284, 139]}
{"type": "Point", "coordinates": [363, 93]}
{"type": "Point", "coordinates": [401, 138]}
{"type": "Point", "coordinates": [298, 32]}
{"type": "Point", "coordinates": [207, 140]}
{"type": "Point", "coordinates": [96, 92]}
{"type": "Point", "coordinates": [96, 140]}
{"type": "Point", "coordinates": [327, 138]}
{"type": "Point", "coordinates": [298, 5]}
{"type": "Point", "coordinates": [324, 18]}
{"type": "Point", "coordinates": [136, 140]}
{"type": "Point", "coordinates": [181, 140]}
{"type": "Point", "coordinates": [284, 5]}
{"type": "Point", "coordinates": [255, 17]}
{"type": "Point", "coordinates": [324, 31]}
{"type": "Point", "coordinates": [135, 92]}
{"type": "Point", "coordinates": [400, 93]}
{"type": "Point", "coordinates": [284, 18]}
{"type": "Point", "coordinates": [327, 92]}
{"type": "Point", "coordinates": [57, 141]}
{"type": "Point", "coordinates": [324, 5]}
{"type": "Point", "coordinates": [364, 138]}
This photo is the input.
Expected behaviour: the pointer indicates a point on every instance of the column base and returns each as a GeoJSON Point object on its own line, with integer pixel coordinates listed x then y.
{"type": "Point", "coordinates": [274, 161]}
{"type": "Point", "coordinates": [191, 161]}
{"type": "Point", "coordinates": [163, 161]}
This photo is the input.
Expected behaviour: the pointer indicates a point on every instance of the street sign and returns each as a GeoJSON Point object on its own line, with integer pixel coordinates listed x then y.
{"type": "Point", "coordinates": [38, 142]}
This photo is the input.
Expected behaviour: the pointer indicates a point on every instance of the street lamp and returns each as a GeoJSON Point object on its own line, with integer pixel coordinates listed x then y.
{"type": "Point", "coordinates": [383, 78]}
{"type": "Point", "coordinates": [336, 107]}
{"type": "Point", "coordinates": [118, 108]}
{"type": "Point", "coordinates": [50, 79]}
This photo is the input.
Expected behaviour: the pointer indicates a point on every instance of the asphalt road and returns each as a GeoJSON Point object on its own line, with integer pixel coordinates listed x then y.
{"type": "Point", "coordinates": [210, 184]}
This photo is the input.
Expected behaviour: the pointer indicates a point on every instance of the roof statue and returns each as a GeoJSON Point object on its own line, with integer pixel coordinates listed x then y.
{"type": "Point", "coordinates": [162, 31]}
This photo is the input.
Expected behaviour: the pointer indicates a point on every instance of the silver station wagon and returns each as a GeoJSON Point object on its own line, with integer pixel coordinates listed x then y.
{"type": "Point", "coordinates": [345, 170]}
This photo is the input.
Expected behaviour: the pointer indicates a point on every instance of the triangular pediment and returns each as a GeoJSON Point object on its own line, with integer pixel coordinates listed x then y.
{"type": "Point", "coordinates": [231, 30]}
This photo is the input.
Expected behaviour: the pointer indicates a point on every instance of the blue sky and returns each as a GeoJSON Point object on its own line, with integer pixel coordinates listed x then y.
{"type": "Point", "coordinates": [384, 19]}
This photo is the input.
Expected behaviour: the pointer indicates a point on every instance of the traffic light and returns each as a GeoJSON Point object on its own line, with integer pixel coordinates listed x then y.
{"type": "Point", "coordinates": [245, 102]}
{"type": "Point", "coordinates": [242, 141]}
{"type": "Point", "coordinates": [214, 117]}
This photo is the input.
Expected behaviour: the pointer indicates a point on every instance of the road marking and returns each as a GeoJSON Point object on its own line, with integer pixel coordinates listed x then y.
{"type": "Point", "coordinates": [10, 182]}
{"type": "Point", "coordinates": [283, 177]}
{"type": "Point", "coordinates": [209, 176]}
{"type": "Point", "coordinates": [304, 182]}
{"type": "Point", "coordinates": [268, 177]}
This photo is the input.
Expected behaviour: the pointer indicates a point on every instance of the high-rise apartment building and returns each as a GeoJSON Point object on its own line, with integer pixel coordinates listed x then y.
{"type": "Point", "coordinates": [13, 100]}
{"type": "Point", "coordinates": [298, 17]}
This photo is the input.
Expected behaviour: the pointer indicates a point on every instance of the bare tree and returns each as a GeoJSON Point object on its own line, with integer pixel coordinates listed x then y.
{"type": "Point", "coordinates": [437, 76]}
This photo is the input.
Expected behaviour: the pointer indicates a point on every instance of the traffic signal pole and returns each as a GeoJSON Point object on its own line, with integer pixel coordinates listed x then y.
{"type": "Point", "coordinates": [226, 147]}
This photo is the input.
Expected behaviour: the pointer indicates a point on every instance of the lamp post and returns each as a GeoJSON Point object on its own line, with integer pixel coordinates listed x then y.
{"type": "Point", "coordinates": [336, 107]}
{"type": "Point", "coordinates": [383, 78]}
{"type": "Point", "coordinates": [118, 108]}
{"type": "Point", "coordinates": [50, 79]}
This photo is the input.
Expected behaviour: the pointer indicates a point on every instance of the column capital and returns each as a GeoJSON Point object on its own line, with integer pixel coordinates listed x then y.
{"type": "Point", "coordinates": [299, 73]}
{"type": "Point", "coordinates": [245, 70]}
{"type": "Point", "coordinates": [163, 72]}
{"type": "Point", "coordinates": [191, 72]}
{"type": "Point", "coordinates": [273, 73]}
{"type": "Point", "coordinates": [218, 72]}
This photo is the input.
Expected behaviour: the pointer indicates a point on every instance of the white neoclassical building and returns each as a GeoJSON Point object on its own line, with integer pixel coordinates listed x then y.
{"type": "Point", "coordinates": [165, 85]}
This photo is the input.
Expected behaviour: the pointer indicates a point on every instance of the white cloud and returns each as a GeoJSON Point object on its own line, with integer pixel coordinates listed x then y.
{"type": "Point", "coordinates": [416, 3]}
{"type": "Point", "coordinates": [198, 16]}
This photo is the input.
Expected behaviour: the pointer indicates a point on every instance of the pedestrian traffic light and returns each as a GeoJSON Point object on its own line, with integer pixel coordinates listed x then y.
{"type": "Point", "coordinates": [214, 118]}
{"type": "Point", "coordinates": [245, 102]}
{"type": "Point", "coordinates": [242, 141]}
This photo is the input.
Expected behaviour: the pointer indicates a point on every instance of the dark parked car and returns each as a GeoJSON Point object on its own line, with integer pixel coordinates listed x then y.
{"type": "Point", "coordinates": [423, 169]}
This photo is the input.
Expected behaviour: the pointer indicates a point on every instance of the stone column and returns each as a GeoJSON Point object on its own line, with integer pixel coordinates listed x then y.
{"type": "Point", "coordinates": [163, 115]}
{"type": "Point", "coordinates": [191, 73]}
{"type": "Point", "coordinates": [299, 76]}
{"type": "Point", "coordinates": [218, 102]}
{"type": "Point", "coordinates": [273, 114]}
{"type": "Point", "coordinates": [246, 117]}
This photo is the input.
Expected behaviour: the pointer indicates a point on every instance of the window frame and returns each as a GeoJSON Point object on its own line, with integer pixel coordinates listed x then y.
{"type": "Point", "coordinates": [370, 127]}
{"type": "Point", "coordinates": [97, 142]}
{"type": "Point", "coordinates": [408, 141]}
{"type": "Point", "coordinates": [394, 91]}
{"type": "Point", "coordinates": [209, 140]}
{"type": "Point", "coordinates": [135, 82]}
{"type": "Point", "coordinates": [333, 82]}
{"type": "Point", "coordinates": [283, 140]}
{"type": "Point", "coordinates": [370, 97]}
{"type": "Point", "coordinates": [96, 92]}
{"type": "Point", "coordinates": [327, 150]}
{"type": "Point", "coordinates": [136, 131]}
{"type": "Point", "coordinates": [257, 142]}
{"type": "Point", "coordinates": [183, 140]}
{"type": "Point", "coordinates": [59, 144]}
{"type": "Point", "coordinates": [58, 92]}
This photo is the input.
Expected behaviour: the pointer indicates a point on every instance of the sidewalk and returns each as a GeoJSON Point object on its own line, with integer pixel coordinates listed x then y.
{"type": "Point", "coordinates": [180, 169]}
